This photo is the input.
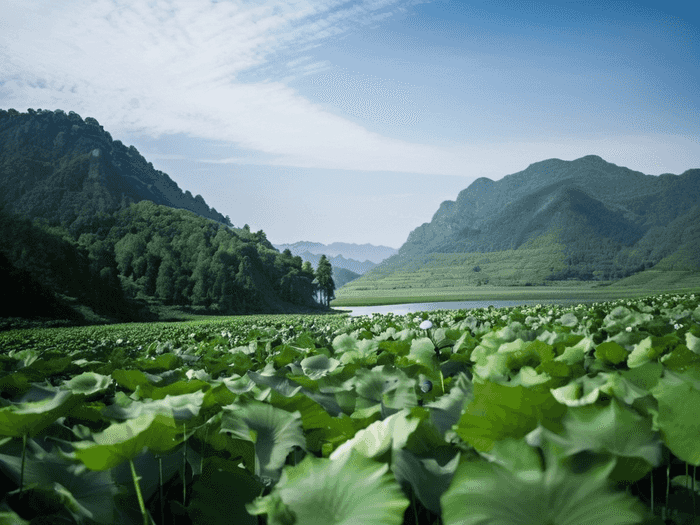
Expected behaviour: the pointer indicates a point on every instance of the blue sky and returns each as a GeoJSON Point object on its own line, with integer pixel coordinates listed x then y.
{"type": "Point", "coordinates": [332, 120]}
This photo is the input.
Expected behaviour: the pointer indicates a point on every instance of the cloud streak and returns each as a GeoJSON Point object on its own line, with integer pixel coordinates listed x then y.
{"type": "Point", "coordinates": [185, 67]}
{"type": "Point", "coordinates": [173, 67]}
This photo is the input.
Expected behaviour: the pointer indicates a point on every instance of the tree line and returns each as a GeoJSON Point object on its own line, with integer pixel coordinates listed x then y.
{"type": "Point", "coordinates": [147, 254]}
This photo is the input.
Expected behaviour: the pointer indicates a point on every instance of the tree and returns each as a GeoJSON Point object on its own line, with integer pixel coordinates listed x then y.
{"type": "Point", "coordinates": [324, 275]}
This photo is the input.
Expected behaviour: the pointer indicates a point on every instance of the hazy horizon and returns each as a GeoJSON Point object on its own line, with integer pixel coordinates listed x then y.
{"type": "Point", "coordinates": [351, 121]}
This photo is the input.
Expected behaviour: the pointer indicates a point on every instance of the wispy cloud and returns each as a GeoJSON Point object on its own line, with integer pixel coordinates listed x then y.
{"type": "Point", "coordinates": [173, 67]}
{"type": "Point", "coordinates": [223, 70]}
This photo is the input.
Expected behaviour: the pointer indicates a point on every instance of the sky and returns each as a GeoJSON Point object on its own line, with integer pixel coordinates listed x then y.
{"type": "Point", "coordinates": [351, 121]}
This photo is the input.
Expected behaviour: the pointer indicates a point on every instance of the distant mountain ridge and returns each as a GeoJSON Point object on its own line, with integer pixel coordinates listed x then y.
{"type": "Point", "coordinates": [607, 221]}
{"type": "Point", "coordinates": [53, 160]}
{"type": "Point", "coordinates": [357, 258]}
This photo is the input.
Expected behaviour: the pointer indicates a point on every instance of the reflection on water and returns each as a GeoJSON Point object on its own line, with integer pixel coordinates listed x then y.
{"type": "Point", "coordinates": [403, 309]}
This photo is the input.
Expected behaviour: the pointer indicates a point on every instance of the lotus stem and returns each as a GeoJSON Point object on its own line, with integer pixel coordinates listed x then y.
{"type": "Point", "coordinates": [160, 479]}
{"type": "Point", "coordinates": [142, 505]}
{"type": "Point", "coordinates": [694, 512]}
{"type": "Point", "coordinates": [668, 482]}
{"type": "Point", "coordinates": [184, 468]}
{"type": "Point", "coordinates": [21, 472]}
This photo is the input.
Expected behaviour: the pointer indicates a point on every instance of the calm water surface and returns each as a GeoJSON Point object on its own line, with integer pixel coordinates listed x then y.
{"type": "Point", "coordinates": [402, 309]}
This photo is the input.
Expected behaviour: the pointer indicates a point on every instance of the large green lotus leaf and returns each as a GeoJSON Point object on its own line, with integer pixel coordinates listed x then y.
{"type": "Point", "coordinates": [286, 354]}
{"type": "Point", "coordinates": [88, 383]}
{"type": "Point", "coordinates": [150, 391]}
{"type": "Point", "coordinates": [678, 417]}
{"type": "Point", "coordinates": [611, 352]}
{"type": "Point", "coordinates": [616, 429]}
{"type": "Point", "coordinates": [515, 454]}
{"type": "Point", "coordinates": [162, 362]}
{"type": "Point", "coordinates": [221, 493]}
{"type": "Point", "coordinates": [148, 468]}
{"type": "Point", "coordinates": [15, 384]}
{"type": "Point", "coordinates": [576, 353]}
{"type": "Point", "coordinates": [318, 366]}
{"type": "Point", "coordinates": [12, 518]}
{"type": "Point", "coordinates": [124, 441]}
{"type": "Point", "coordinates": [528, 377]}
{"type": "Point", "coordinates": [274, 431]}
{"type": "Point", "coordinates": [289, 388]}
{"type": "Point", "coordinates": [224, 445]}
{"type": "Point", "coordinates": [380, 436]}
{"type": "Point", "coordinates": [498, 412]}
{"type": "Point", "coordinates": [423, 352]}
{"type": "Point", "coordinates": [429, 477]}
{"type": "Point", "coordinates": [483, 492]}
{"type": "Point", "coordinates": [31, 418]}
{"type": "Point", "coordinates": [582, 391]}
{"type": "Point", "coordinates": [319, 426]}
{"type": "Point", "coordinates": [382, 380]}
{"type": "Point", "coordinates": [692, 342]}
{"type": "Point", "coordinates": [181, 408]}
{"type": "Point", "coordinates": [621, 317]}
{"type": "Point", "coordinates": [352, 491]}
{"type": "Point", "coordinates": [218, 395]}
{"type": "Point", "coordinates": [344, 343]}
{"type": "Point", "coordinates": [446, 410]}
{"type": "Point", "coordinates": [91, 494]}
{"type": "Point", "coordinates": [680, 359]}
{"type": "Point", "coordinates": [42, 368]}
{"type": "Point", "coordinates": [130, 379]}
{"type": "Point", "coordinates": [648, 350]}
{"type": "Point", "coordinates": [645, 376]}
{"type": "Point", "coordinates": [238, 385]}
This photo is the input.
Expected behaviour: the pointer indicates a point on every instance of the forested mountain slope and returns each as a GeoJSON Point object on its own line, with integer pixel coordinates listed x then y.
{"type": "Point", "coordinates": [607, 221]}
{"type": "Point", "coordinates": [57, 166]}
{"type": "Point", "coordinates": [92, 232]}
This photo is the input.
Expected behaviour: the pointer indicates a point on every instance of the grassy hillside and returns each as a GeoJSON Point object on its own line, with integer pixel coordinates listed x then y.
{"type": "Point", "coordinates": [509, 274]}
{"type": "Point", "coordinates": [584, 220]}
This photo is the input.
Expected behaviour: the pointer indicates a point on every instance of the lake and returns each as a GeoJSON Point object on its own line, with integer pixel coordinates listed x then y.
{"type": "Point", "coordinates": [402, 309]}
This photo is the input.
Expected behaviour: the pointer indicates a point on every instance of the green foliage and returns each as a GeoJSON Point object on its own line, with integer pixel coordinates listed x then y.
{"type": "Point", "coordinates": [536, 414]}
{"type": "Point", "coordinates": [324, 276]}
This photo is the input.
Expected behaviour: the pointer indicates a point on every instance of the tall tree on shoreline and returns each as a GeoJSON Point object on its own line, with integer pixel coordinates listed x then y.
{"type": "Point", "coordinates": [324, 275]}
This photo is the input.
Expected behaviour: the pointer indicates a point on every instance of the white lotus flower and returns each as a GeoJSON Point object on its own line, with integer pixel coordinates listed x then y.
{"type": "Point", "coordinates": [426, 325]}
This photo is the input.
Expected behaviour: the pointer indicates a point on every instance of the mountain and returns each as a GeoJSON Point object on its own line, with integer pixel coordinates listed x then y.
{"type": "Point", "coordinates": [602, 221]}
{"type": "Point", "coordinates": [358, 252]}
{"type": "Point", "coordinates": [344, 257]}
{"type": "Point", "coordinates": [57, 166]}
{"type": "Point", "coordinates": [342, 276]}
{"type": "Point", "coordinates": [91, 232]}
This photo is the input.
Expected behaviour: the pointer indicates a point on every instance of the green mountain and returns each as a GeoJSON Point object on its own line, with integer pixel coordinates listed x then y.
{"type": "Point", "coordinates": [60, 167]}
{"type": "Point", "coordinates": [585, 219]}
{"type": "Point", "coordinates": [91, 232]}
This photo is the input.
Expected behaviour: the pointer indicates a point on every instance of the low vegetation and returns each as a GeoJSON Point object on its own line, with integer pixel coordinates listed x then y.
{"type": "Point", "coordinates": [535, 414]}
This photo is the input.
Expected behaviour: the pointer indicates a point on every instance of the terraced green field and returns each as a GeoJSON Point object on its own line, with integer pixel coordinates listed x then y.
{"type": "Point", "coordinates": [417, 287]}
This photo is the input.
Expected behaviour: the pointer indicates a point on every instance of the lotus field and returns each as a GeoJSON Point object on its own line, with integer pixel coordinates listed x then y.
{"type": "Point", "coordinates": [539, 415]}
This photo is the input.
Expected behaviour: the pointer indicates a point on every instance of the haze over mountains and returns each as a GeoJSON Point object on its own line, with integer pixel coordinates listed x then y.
{"type": "Point", "coordinates": [602, 221]}
{"type": "Point", "coordinates": [357, 258]}
{"type": "Point", "coordinates": [348, 260]}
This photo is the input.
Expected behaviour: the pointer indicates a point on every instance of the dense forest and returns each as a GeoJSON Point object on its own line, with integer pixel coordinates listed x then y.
{"type": "Point", "coordinates": [80, 240]}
